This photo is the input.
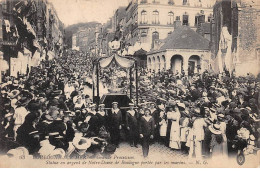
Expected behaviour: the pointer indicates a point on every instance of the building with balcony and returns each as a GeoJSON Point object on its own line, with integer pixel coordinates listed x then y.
{"type": "Point", "coordinates": [150, 20]}
{"type": "Point", "coordinates": [31, 32]}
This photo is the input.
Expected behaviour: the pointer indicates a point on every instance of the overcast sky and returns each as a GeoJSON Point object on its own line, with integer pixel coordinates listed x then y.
{"type": "Point", "coordinates": [76, 11]}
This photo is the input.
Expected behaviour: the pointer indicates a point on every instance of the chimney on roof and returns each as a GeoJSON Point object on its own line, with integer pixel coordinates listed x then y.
{"type": "Point", "coordinates": [177, 24]}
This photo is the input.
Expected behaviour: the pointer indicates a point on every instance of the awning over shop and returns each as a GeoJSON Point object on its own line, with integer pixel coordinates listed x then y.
{"type": "Point", "coordinates": [121, 61]}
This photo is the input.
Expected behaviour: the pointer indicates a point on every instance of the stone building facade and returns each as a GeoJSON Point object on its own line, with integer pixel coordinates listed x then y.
{"type": "Point", "coordinates": [247, 46]}
{"type": "Point", "coordinates": [149, 20]}
{"type": "Point", "coordinates": [235, 37]}
{"type": "Point", "coordinates": [183, 50]}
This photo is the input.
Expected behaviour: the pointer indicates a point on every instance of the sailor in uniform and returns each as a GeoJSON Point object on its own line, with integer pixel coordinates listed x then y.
{"type": "Point", "coordinates": [132, 118]}
{"type": "Point", "coordinates": [115, 123]}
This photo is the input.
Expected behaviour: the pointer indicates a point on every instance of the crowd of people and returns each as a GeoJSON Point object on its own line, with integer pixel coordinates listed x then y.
{"type": "Point", "coordinates": [206, 115]}
{"type": "Point", "coordinates": [49, 112]}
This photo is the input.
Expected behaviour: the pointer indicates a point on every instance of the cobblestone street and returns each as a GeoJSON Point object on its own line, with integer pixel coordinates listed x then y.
{"type": "Point", "coordinates": [156, 149]}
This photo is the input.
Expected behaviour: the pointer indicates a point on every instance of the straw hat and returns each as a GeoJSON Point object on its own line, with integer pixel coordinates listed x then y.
{"type": "Point", "coordinates": [71, 114]}
{"type": "Point", "coordinates": [13, 94]}
{"type": "Point", "coordinates": [101, 105]}
{"type": "Point", "coordinates": [221, 115]}
{"type": "Point", "coordinates": [8, 115]}
{"type": "Point", "coordinates": [181, 105]}
{"type": "Point", "coordinates": [215, 129]}
{"type": "Point", "coordinates": [15, 83]}
{"type": "Point", "coordinates": [92, 106]}
{"type": "Point", "coordinates": [81, 144]}
{"type": "Point", "coordinates": [209, 120]}
{"type": "Point", "coordinates": [248, 108]}
{"type": "Point", "coordinates": [46, 148]}
{"type": "Point", "coordinates": [18, 152]}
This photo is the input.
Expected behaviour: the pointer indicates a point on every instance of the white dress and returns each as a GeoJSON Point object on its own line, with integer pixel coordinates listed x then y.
{"type": "Point", "coordinates": [184, 130]}
{"type": "Point", "coordinates": [223, 126]}
{"type": "Point", "coordinates": [175, 129]}
{"type": "Point", "coordinates": [163, 128]}
{"type": "Point", "coordinates": [198, 136]}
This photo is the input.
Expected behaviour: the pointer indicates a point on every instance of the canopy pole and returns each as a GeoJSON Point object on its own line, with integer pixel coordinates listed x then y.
{"type": "Point", "coordinates": [93, 85]}
{"type": "Point", "coordinates": [97, 83]}
{"type": "Point", "coordinates": [130, 73]}
{"type": "Point", "coordinates": [136, 82]}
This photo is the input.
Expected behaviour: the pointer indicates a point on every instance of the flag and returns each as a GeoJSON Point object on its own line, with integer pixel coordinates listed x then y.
{"type": "Point", "coordinates": [16, 32]}
{"type": "Point", "coordinates": [1, 32]}
{"type": "Point", "coordinates": [94, 78]}
{"type": "Point", "coordinates": [7, 26]}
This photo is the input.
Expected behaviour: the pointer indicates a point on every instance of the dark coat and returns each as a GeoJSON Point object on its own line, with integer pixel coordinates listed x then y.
{"type": "Point", "coordinates": [156, 116]}
{"type": "Point", "coordinates": [9, 131]}
{"type": "Point", "coordinates": [93, 123]}
{"type": "Point", "coordinates": [101, 120]}
{"type": "Point", "coordinates": [132, 122]}
{"type": "Point", "coordinates": [114, 119]}
{"type": "Point", "coordinates": [24, 138]}
{"type": "Point", "coordinates": [146, 128]}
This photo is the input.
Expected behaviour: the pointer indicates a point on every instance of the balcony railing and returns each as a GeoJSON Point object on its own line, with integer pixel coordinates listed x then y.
{"type": "Point", "coordinates": [156, 22]}
{"type": "Point", "coordinates": [186, 24]}
{"type": "Point", "coordinates": [143, 2]}
{"type": "Point", "coordinates": [143, 22]}
{"type": "Point", "coordinates": [171, 2]}
{"type": "Point", "coordinates": [156, 2]}
{"type": "Point", "coordinates": [186, 3]}
{"type": "Point", "coordinates": [134, 26]}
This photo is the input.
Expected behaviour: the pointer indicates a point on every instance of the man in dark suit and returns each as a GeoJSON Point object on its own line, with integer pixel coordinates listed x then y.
{"type": "Point", "coordinates": [156, 116]}
{"type": "Point", "coordinates": [132, 118]}
{"type": "Point", "coordinates": [146, 131]}
{"type": "Point", "coordinates": [115, 123]}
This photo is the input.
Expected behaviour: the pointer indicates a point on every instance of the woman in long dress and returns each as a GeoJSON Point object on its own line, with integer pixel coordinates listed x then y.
{"type": "Point", "coordinates": [174, 116]}
{"type": "Point", "coordinates": [216, 142]}
{"type": "Point", "coordinates": [223, 127]}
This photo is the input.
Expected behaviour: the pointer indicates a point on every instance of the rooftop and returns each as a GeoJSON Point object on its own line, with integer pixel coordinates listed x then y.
{"type": "Point", "coordinates": [184, 37]}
